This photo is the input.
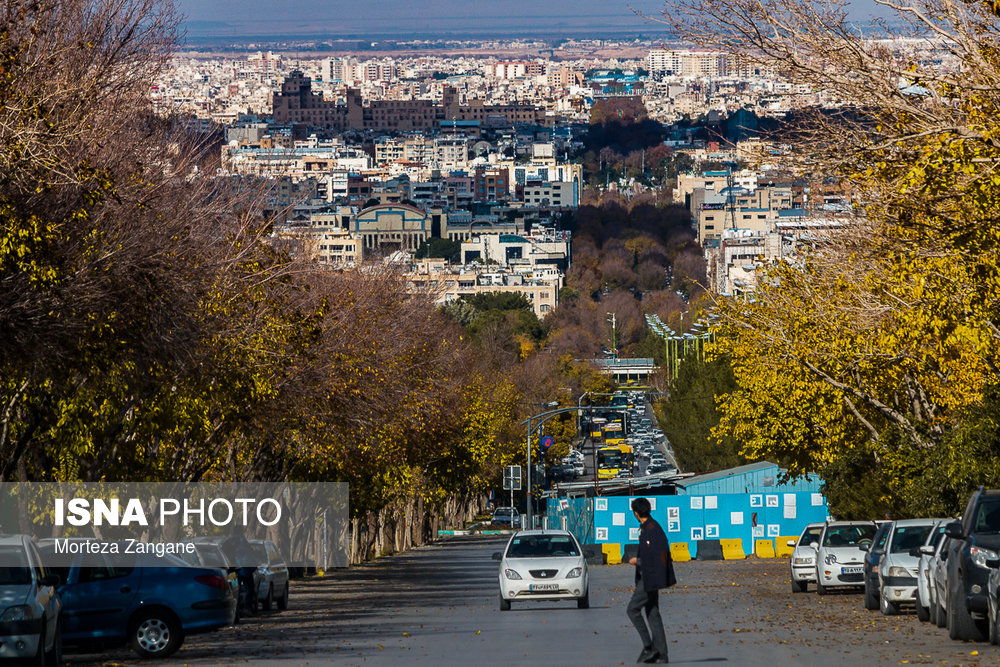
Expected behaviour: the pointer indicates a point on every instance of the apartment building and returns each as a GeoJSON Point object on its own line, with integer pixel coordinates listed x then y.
{"type": "Point", "coordinates": [446, 283]}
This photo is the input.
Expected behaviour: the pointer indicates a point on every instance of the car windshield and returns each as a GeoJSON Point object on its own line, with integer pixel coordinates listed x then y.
{"type": "Point", "coordinates": [848, 536]}
{"type": "Point", "coordinates": [988, 516]}
{"type": "Point", "coordinates": [811, 535]}
{"type": "Point", "coordinates": [502, 512]}
{"type": "Point", "coordinates": [905, 538]}
{"type": "Point", "coordinates": [14, 571]}
{"type": "Point", "coordinates": [542, 546]}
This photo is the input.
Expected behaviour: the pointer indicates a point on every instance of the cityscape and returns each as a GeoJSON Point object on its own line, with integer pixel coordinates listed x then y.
{"type": "Point", "coordinates": [513, 325]}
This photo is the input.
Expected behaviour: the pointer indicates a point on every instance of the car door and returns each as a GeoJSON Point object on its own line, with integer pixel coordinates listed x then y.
{"type": "Point", "coordinates": [99, 597]}
{"type": "Point", "coordinates": [874, 555]}
{"type": "Point", "coordinates": [279, 569]}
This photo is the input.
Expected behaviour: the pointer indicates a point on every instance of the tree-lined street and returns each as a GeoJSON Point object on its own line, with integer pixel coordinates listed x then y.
{"type": "Point", "coordinates": [438, 605]}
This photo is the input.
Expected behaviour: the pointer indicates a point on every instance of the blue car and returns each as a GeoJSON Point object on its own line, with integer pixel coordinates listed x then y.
{"type": "Point", "coordinates": [146, 601]}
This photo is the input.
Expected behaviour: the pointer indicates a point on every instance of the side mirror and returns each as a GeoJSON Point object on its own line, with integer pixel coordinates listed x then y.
{"type": "Point", "coordinates": [790, 543]}
{"type": "Point", "coordinates": [993, 562]}
{"type": "Point", "coordinates": [50, 580]}
{"type": "Point", "coordinates": [814, 545]}
{"type": "Point", "coordinates": [927, 550]}
{"type": "Point", "coordinates": [865, 547]}
{"type": "Point", "coordinates": [497, 555]}
{"type": "Point", "coordinates": [954, 530]}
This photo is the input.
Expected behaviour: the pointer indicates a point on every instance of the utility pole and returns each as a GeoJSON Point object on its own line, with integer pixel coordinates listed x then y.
{"type": "Point", "coordinates": [614, 346]}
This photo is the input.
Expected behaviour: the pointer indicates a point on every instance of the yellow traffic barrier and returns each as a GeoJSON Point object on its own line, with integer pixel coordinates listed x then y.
{"type": "Point", "coordinates": [733, 549]}
{"type": "Point", "coordinates": [613, 551]}
{"type": "Point", "coordinates": [764, 548]}
{"type": "Point", "coordinates": [679, 551]}
{"type": "Point", "coordinates": [783, 550]}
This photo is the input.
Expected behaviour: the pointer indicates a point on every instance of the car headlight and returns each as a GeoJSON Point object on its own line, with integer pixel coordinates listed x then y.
{"type": "Point", "coordinates": [804, 561]}
{"type": "Point", "coordinates": [511, 574]}
{"type": "Point", "coordinates": [830, 559]}
{"type": "Point", "coordinates": [899, 572]}
{"type": "Point", "coordinates": [19, 613]}
{"type": "Point", "coordinates": [574, 573]}
{"type": "Point", "coordinates": [980, 555]}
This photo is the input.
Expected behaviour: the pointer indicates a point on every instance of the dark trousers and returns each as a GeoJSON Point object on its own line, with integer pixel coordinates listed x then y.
{"type": "Point", "coordinates": [650, 602]}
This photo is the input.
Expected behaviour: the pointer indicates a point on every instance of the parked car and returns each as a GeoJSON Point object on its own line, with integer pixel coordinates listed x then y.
{"type": "Point", "coordinates": [543, 565]}
{"type": "Point", "coordinates": [208, 553]}
{"type": "Point", "coordinates": [273, 586]}
{"type": "Point", "coordinates": [506, 516]}
{"type": "Point", "coordinates": [803, 562]}
{"type": "Point", "coordinates": [873, 554]}
{"type": "Point", "coordinates": [897, 569]}
{"type": "Point", "coordinates": [30, 606]}
{"type": "Point", "coordinates": [975, 538]}
{"type": "Point", "coordinates": [938, 573]}
{"type": "Point", "coordinates": [839, 555]}
{"type": "Point", "coordinates": [992, 601]}
{"type": "Point", "coordinates": [146, 601]}
{"type": "Point", "coordinates": [925, 584]}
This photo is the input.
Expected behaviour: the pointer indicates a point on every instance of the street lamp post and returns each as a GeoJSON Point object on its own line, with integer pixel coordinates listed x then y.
{"type": "Point", "coordinates": [531, 508]}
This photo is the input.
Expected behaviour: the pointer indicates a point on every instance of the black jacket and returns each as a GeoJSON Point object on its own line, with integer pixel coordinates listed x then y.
{"type": "Point", "coordinates": [654, 564]}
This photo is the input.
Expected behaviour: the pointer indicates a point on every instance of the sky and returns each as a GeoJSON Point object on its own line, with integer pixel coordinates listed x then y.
{"type": "Point", "coordinates": [247, 18]}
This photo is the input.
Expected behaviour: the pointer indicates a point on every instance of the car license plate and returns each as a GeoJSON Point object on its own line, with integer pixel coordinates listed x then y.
{"type": "Point", "coordinates": [852, 570]}
{"type": "Point", "coordinates": [544, 587]}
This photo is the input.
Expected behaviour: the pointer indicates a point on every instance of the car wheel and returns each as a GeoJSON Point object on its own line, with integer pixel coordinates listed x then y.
{"type": "Point", "coordinates": [504, 605]}
{"type": "Point", "coordinates": [940, 616]}
{"type": "Point", "coordinates": [283, 600]}
{"type": "Point", "coordinates": [923, 613]}
{"type": "Point", "coordinates": [265, 604]}
{"type": "Point", "coordinates": [584, 602]}
{"type": "Point", "coordinates": [871, 598]}
{"type": "Point", "coordinates": [800, 586]}
{"type": "Point", "coordinates": [887, 607]}
{"type": "Point", "coordinates": [820, 589]}
{"type": "Point", "coordinates": [155, 633]}
{"type": "Point", "coordinates": [991, 618]}
{"type": "Point", "coordinates": [53, 657]}
{"type": "Point", "coordinates": [961, 625]}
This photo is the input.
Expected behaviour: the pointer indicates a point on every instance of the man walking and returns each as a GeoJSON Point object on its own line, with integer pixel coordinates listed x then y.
{"type": "Point", "coordinates": [654, 570]}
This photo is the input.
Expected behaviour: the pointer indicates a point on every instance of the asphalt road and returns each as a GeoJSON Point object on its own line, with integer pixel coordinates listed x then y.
{"type": "Point", "coordinates": [438, 605]}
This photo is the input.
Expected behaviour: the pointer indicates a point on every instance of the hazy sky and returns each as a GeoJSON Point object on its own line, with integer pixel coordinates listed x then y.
{"type": "Point", "coordinates": [436, 16]}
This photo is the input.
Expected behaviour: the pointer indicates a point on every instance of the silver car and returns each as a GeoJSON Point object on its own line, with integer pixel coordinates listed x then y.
{"type": "Point", "coordinates": [897, 569]}
{"type": "Point", "coordinates": [803, 562]}
{"type": "Point", "coordinates": [839, 557]}
{"type": "Point", "coordinates": [543, 565]}
{"type": "Point", "coordinates": [925, 585]}
{"type": "Point", "coordinates": [30, 607]}
{"type": "Point", "coordinates": [273, 585]}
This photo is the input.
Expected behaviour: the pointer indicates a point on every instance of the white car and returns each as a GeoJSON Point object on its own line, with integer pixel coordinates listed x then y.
{"type": "Point", "coordinates": [938, 579]}
{"type": "Point", "coordinates": [839, 557]}
{"type": "Point", "coordinates": [543, 565]}
{"type": "Point", "coordinates": [803, 562]}
{"type": "Point", "coordinates": [30, 607]}
{"type": "Point", "coordinates": [925, 585]}
{"type": "Point", "coordinates": [897, 569]}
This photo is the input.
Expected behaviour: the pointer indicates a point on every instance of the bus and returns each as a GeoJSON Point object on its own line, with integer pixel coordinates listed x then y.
{"type": "Point", "coordinates": [609, 462]}
{"type": "Point", "coordinates": [596, 428]}
{"type": "Point", "coordinates": [613, 434]}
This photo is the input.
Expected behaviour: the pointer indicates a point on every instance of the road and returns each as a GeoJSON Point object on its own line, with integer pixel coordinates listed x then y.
{"type": "Point", "coordinates": [438, 605]}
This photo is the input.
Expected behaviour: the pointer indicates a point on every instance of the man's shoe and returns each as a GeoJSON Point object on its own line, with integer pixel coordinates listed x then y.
{"type": "Point", "coordinates": [647, 655]}
{"type": "Point", "coordinates": [657, 658]}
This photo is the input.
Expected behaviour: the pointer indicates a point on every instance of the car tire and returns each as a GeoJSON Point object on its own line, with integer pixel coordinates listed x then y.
{"type": "Point", "coordinates": [800, 586]}
{"type": "Point", "coordinates": [991, 618]}
{"type": "Point", "coordinates": [820, 589]}
{"type": "Point", "coordinates": [940, 616]}
{"type": "Point", "coordinates": [266, 603]}
{"type": "Point", "coordinates": [283, 600]}
{"type": "Point", "coordinates": [53, 657]}
{"type": "Point", "coordinates": [961, 625]}
{"type": "Point", "coordinates": [504, 605]}
{"type": "Point", "coordinates": [871, 598]}
{"type": "Point", "coordinates": [887, 606]}
{"type": "Point", "coordinates": [155, 633]}
{"type": "Point", "coordinates": [584, 602]}
{"type": "Point", "coordinates": [923, 613]}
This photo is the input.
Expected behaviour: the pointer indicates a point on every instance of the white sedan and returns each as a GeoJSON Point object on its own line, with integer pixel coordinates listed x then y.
{"type": "Point", "coordinates": [839, 555]}
{"type": "Point", "coordinates": [543, 565]}
{"type": "Point", "coordinates": [803, 562]}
